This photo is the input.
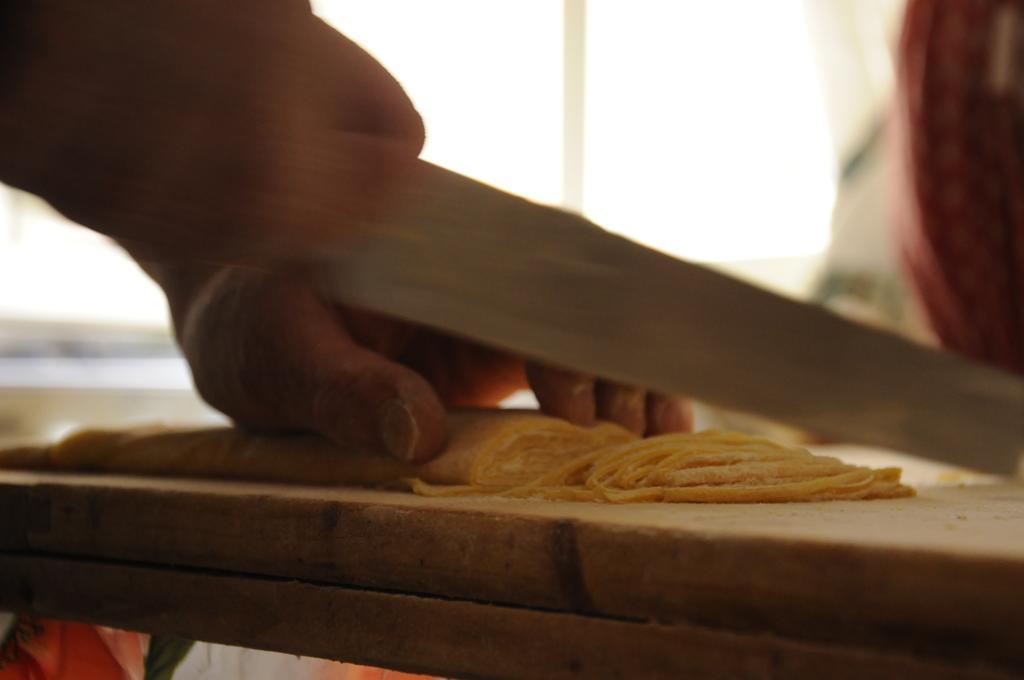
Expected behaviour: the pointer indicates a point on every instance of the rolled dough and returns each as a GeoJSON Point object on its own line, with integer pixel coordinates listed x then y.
{"type": "Point", "coordinates": [507, 453]}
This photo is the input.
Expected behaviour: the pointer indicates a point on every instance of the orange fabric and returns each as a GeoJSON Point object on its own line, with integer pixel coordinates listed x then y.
{"type": "Point", "coordinates": [128, 649]}
{"type": "Point", "coordinates": [65, 650]}
{"type": "Point", "coordinates": [45, 649]}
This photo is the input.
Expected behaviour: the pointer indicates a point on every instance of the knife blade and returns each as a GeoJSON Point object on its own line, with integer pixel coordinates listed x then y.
{"type": "Point", "coordinates": [460, 256]}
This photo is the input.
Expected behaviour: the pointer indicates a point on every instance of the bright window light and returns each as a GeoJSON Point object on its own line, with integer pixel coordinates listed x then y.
{"type": "Point", "coordinates": [705, 131]}
{"type": "Point", "coordinates": [52, 270]}
{"type": "Point", "coordinates": [485, 76]}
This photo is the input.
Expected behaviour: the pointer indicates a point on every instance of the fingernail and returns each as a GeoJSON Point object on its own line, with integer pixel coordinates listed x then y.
{"type": "Point", "coordinates": [581, 388]}
{"type": "Point", "coordinates": [398, 430]}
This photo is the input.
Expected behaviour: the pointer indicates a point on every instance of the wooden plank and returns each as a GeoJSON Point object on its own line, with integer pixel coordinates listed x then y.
{"type": "Point", "coordinates": [443, 637]}
{"type": "Point", "coordinates": [940, 576]}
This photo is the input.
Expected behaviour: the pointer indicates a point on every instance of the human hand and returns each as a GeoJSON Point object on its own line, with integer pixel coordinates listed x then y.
{"type": "Point", "coordinates": [269, 351]}
{"type": "Point", "coordinates": [191, 130]}
{"type": "Point", "coordinates": [220, 131]}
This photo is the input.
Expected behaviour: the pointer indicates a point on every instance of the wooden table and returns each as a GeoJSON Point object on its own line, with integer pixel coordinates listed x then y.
{"type": "Point", "coordinates": [930, 586]}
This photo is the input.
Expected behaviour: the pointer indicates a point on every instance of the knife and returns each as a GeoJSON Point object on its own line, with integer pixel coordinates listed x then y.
{"type": "Point", "coordinates": [460, 256]}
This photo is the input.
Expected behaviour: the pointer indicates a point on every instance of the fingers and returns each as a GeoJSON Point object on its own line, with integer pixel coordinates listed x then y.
{"type": "Point", "coordinates": [622, 404]}
{"type": "Point", "coordinates": [582, 400]}
{"type": "Point", "coordinates": [666, 413]}
{"type": "Point", "coordinates": [362, 397]}
{"type": "Point", "coordinates": [267, 351]}
{"type": "Point", "coordinates": [377, 332]}
{"type": "Point", "coordinates": [465, 373]}
{"type": "Point", "coordinates": [563, 394]}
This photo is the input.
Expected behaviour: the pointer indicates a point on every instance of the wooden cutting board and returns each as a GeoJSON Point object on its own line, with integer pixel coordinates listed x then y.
{"type": "Point", "coordinates": [933, 584]}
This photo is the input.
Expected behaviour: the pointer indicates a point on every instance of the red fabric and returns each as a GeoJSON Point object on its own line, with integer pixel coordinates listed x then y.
{"type": "Point", "coordinates": [65, 650]}
{"type": "Point", "coordinates": [962, 226]}
{"type": "Point", "coordinates": [45, 649]}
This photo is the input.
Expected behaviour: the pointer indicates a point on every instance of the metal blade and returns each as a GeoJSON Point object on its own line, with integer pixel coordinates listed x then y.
{"type": "Point", "coordinates": [461, 256]}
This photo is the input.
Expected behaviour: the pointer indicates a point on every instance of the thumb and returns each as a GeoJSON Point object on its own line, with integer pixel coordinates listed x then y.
{"type": "Point", "coordinates": [269, 352]}
{"type": "Point", "coordinates": [360, 397]}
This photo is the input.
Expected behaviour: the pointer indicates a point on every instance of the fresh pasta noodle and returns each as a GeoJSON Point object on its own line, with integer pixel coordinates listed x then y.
{"type": "Point", "coordinates": [492, 453]}
{"type": "Point", "coordinates": [706, 467]}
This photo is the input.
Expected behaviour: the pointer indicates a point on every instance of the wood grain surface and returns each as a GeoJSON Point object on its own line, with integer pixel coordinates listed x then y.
{"type": "Point", "coordinates": [431, 635]}
{"type": "Point", "coordinates": [940, 576]}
